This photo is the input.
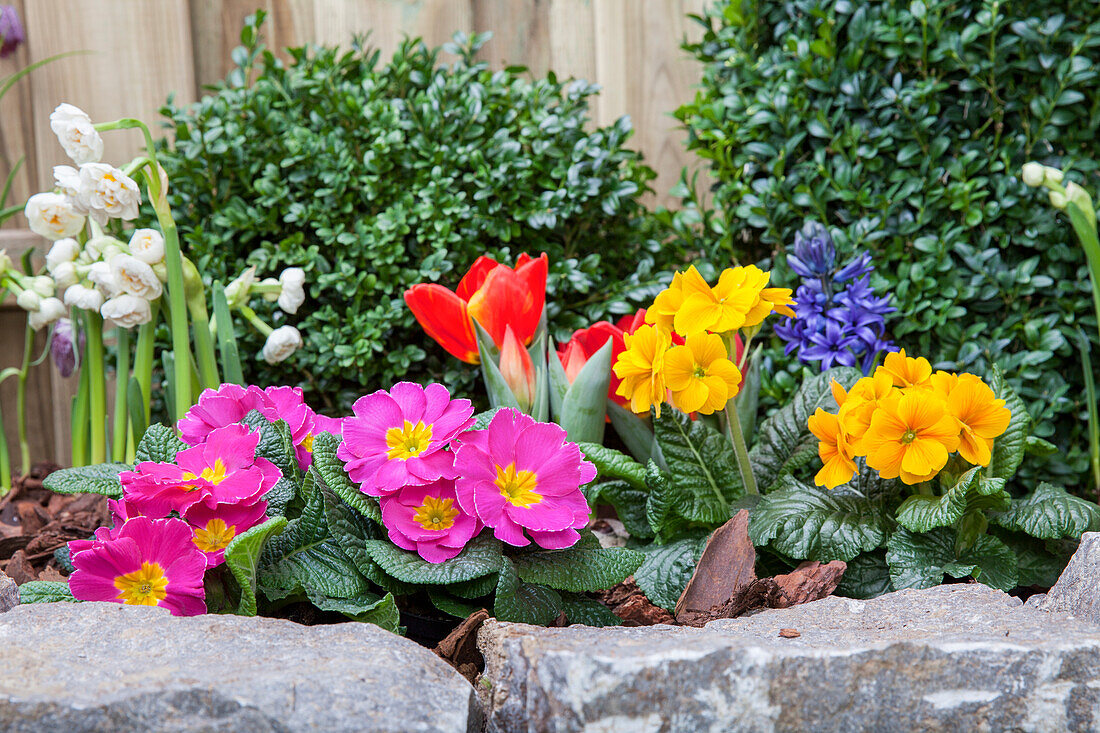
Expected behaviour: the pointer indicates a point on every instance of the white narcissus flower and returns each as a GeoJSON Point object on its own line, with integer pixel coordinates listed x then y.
{"type": "Point", "coordinates": [148, 246]}
{"type": "Point", "coordinates": [293, 280]}
{"type": "Point", "coordinates": [127, 311]}
{"type": "Point", "coordinates": [63, 250]}
{"type": "Point", "coordinates": [77, 134]}
{"type": "Point", "coordinates": [81, 296]}
{"type": "Point", "coordinates": [67, 178]}
{"type": "Point", "coordinates": [49, 311]}
{"type": "Point", "coordinates": [101, 275]}
{"type": "Point", "coordinates": [236, 292]}
{"type": "Point", "coordinates": [282, 342]}
{"type": "Point", "coordinates": [53, 216]}
{"type": "Point", "coordinates": [64, 274]}
{"type": "Point", "coordinates": [29, 300]}
{"type": "Point", "coordinates": [108, 192]}
{"type": "Point", "coordinates": [135, 277]}
{"type": "Point", "coordinates": [42, 285]}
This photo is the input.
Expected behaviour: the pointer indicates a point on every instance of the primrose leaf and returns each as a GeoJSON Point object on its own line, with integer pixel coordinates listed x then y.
{"type": "Point", "coordinates": [703, 475]}
{"type": "Point", "coordinates": [1050, 512]}
{"type": "Point", "coordinates": [784, 442]}
{"type": "Point", "coordinates": [660, 508]}
{"type": "Point", "coordinates": [613, 464]}
{"type": "Point", "coordinates": [160, 444]}
{"type": "Point", "coordinates": [102, 478]}
{"type": "Point", "coordinates": [630, 506]}
{"type": "Point", "coordinates": [666, 570]}
{"type": "Point", "coordinates": [330, 470]}
{"type": "Point", "coordinates": [524, 603]}
{"type": "Point", "coordinates": [867, 576]}
{"type": "Point", "coordinates": [481, 556]}
{"type": "Point", "coordinates": [588, 611]}
{"type": "Point", "coordinates": [1039, 562]}
{"type": "Point", "coordinates": [583, 567]}
{"type": "Point", "coordinates": [921, 560]}
{"type": "Point", "coordinates": [1010, 446]}
{"type": "Point", "coordinates": [920, 512]}
{"type": "Point", "coordinates": [810, 523]}
{"type": "Point", "coordinates": [45, 591]}
{"type": "Point", "coordinates": [365, 608]}
{"type": "Point", "coordinates": [351, 530]}
{"type": "Point", "coordinates": [242, 556]}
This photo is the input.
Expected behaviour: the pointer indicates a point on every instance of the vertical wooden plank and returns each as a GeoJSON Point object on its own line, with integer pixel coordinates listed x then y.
{"type": "Point", "coordinates": [521, 33]}
{"type": "Point", "coordinates": [646, 74]}
{"type": "Point", "coordinates": [16, 131]}
{"type": "Point", "coordinates": [388, 21]}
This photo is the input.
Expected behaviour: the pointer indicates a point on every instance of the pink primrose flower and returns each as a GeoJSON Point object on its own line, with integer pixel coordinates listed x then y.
{"type": "Point", "coordinates": [428, 520]}
{"type": "Point", "coordinates": [222, 470]}
{"type": "Point", "coordinates": [522, 475]}
{"type": "Point", "coordinates": [400, 438]}
{"type": "Point", "coordinates": [216, 525]}
{"type": "Point", "coordinates": [150, 562]}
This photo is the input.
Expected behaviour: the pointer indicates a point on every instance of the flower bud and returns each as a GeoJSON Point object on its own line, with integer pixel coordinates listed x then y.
{"type": "Point", "coordinates": [1053, 175]}
{"type": "Point", "coordinates": [293, 280]}
{"type": "Point", "coordinates": [1033, 174]}
{"type": "Point", "coordinates": [11, 31]}
{"type": "Point", "coordinates": [65, 274]}
{"type": "Point", "coordinates": [95, 246]}
{"type": "Point", "coordinates": [63, 348]}
{"type": "Point", "coordinates": [1080, 198]}
{"type": "Point", "coordinates": [236, 292]}
{"type": "Point", "coordinates": [192, 280]}
{"type": "Point", "coordinates": [43, 285]}
{"type": "Point", "coordinates": [5, 261]}
{"type": "Point", "coordinates": [518, 370]}
{"type": "Point", "coordinates": [272, 296]}
{"type": "Point", "coordinates": [49, 311]}
{"type": "Point", "coordinates": [282, 342]}
{"type": "Point", "coordinates": [81, 296]}
{"type": "Point", "coordinates": [1058, 200]}
{"type": "Point", "coordinates": [28, 300]}
{"type": "Point", "coordinates": [573, 360]}
{"type": "Point", "coordinates": [63, 250]}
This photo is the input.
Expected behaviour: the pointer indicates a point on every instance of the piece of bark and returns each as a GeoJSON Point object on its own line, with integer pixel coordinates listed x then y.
{"type": "Point", "coordinates": [627, 601]}
{"type": "Point", "coordinates": [727, 566]}
{"type": "Point", "coordinates": [19, 569]}
{"type": "Point", "coordinates": [789, 633]}
{"type": "Point", "coordinates": [51, 574]}
{"type": "Point", "coordinates": [810, 581]}
{"type": "Point", "coordinates": [459, 648]}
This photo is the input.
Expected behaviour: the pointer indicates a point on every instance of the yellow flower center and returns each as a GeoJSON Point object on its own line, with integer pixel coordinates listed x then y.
{"type": "Point", "coordinates": [214, 474]}
{"type": "Point", "coordinates": [408, 441]}
{"type": "Point", "coordinates": [144, 587]}
{"type": "Point", "coordinates": [307, 442]}
{"type": "Point", "coordinates": [909, 437]}
{"type": "Point", "coordinates": [518, 487]}
{"type": "Point", "coordinates": [436, 514]}
{"type": "Point", "coordinates": [214, 536]}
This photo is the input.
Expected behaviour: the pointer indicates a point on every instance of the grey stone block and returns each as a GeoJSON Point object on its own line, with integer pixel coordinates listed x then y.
{"type": "Point", "coordinates": [1077, 591]}
{"type": "Point", "coordinates": [9, 593]}
{"type": "Point", "coordinates": [957, 657]}
{"type": "Point", "coordinates": [106, 667]}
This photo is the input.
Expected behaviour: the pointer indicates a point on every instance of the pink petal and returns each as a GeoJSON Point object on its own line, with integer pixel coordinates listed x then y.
{"type": "Point", "coordinates": [555, 540]}
{"type": "Point", "coordinates": [411, 399]}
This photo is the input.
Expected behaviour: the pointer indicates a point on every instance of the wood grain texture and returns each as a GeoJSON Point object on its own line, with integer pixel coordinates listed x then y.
{"type": "Point", "coordinates": [16, 131]}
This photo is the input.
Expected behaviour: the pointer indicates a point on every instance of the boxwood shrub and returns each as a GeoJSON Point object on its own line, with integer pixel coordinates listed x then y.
{"type": "Point", "coordinates": [374, 176]}
{"type": "Point", "coordinates": [902, 125]}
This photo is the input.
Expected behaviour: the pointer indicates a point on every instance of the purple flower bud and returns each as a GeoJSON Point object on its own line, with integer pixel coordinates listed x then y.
{"type": "Point", "coordinates": [814, 253]}
{"type": "Point", "coordinates": [62, 348]}
{"type": "Point", "coordinates": [11, 31]}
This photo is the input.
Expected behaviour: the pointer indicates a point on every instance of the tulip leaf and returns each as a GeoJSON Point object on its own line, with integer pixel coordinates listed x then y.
{"type": "Point", "coordinates": [559, 381]}
{"type": "Point", "coordinates": [920, 560]}
{"type": "Point", "coordinates": [702, 469]}
{"type": "Point", "coordinates": [101, 478]}
{"type": "Point", "coordinates": [496, 386]}
{"type": "Point", "coordinates": [666, 570]}
{"type": "Point", "coordinates": [584, 407]}
{"type": "Point", "coordinates": [1050, 512]}
{"type": "Point", "coordinates": [811, 523]}
{"type": "Point", "coordinates": [583, 567]}
{"type": "Point", "coordinates": [540, 410]}
{"type": "Point", "coordinates": [784, 442]}
{"type": "Point", "coordinates": [635, 433]}
{"type": "Point", "coordinates": [972, 492]}
{"type": "Point", "coordinates": [242, 557]}
{"type": "Point", "coordinates": [1010, 446]}
{"type": "Point", "coordinates": [364, 608]}
{"type": "Point", "coordinates": [525, 603]}
{"type": "Point", "coordinates": [227, 338]}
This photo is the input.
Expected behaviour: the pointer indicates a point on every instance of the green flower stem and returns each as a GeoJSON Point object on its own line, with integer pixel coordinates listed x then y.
{"type": "Point", "coordinates": [143, 358]}
{"type": "Point", "coordinates": [1085, 227]}
{"type": "Point", "coordinates": [21, 402]}
{"type": "Point", "coordinates": [204, 343]}
{"type": "Point", "coordinates": [122, 381]}
{"type": "Point", "coordinates": [736, 435]}
{"type": "Point", "coordinates": [79, 419]}
{"type": "Point", "coordinates": [97, 388]}
{"type": "Point", "coordinates": [5, 461]}
{"type": "Point", "coordinates": [257, 322]}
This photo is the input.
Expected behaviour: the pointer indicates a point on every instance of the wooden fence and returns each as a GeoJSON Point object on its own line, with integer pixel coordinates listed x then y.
{"type": "Point", "coordinates": [141, 50]}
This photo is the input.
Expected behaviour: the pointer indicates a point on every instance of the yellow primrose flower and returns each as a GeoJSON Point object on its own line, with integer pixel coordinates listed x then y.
{"type": "Point", "coordinates": [665, 305]}
{"type": "Point", "coordinates": [910, 436]}
{"type": "Point", "coordinates": [723, 307]}
{"type": "Point", "coordinates": [834, 448]}
{"type": "Point", "coordinates": [641, 368]}
{"type": "Point", "coordinates": [904, 370]}
{"type": "Point", "coordinates": [700, 374]}
{"type": "Point", "coordinates": [860, 403]}
{"type": "Point", "coordinates": [982, 416]}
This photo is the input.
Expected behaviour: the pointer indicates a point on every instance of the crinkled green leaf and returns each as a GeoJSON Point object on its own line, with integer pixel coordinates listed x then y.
{"type": "Point", "coordinates": [583, 567]}
{"type": "Point", "coordinates": [330, 470]}
{"type": "Point", "coordinates": [45, 591]}
{"type": "Point", "coordinates": [351, 530]}
{"type": "Point", "coordinates": [102, 478]}
{"type": "Point", "coordinates": [480, 557]}
{"type": "Point", "coordinates": [921, 560]}
{"type": "Point", "coordinates": [810, 523]}
{"type": "Point", "coordinates": [524, 603]}
{"type": "Point", "coordinates": [475, 588]}
{"type": "Point", "coordinates": [613, 464]}
{"type": "Point", "coordinates": [702, 470]}
{"type": "Point", "coordinates": [1050, 512]}
{"type": "Point", "coordinates": [867, 576]}
{"type": "Point", "coordinates": [660, 506]}
{"type": "Point", "coordinates": [449, 604]}
{"type": "Point", "coordinates": [1010, 446]}
{"type": "Point", "coordinates": [366, 608]}
{"type": "Point", "coordinates": [160, 444]}
{"type": "Point", "coordinates": [666, 570]}
{"type": "Point", "coordinates": [588, 611]}
{"type": "Point", "coordinates": [242, 557]}
{"type": "Point", "coordinates": [629, 504]}
{"type": "Point", "coordinates": [1036, 563]}
{"type": "Point", "coordinates": [482, 419]}
{"type": "Point", "coordinates": [972, 492]}
{"type": "Point", "coordinates": [784, 442]}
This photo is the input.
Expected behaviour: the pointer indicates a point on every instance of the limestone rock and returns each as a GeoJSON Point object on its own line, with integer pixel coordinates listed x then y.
{"type": "Point", "coordinates": [1077, 591]}
{"type": "Point", "coordinates": [956, 657]}
{"type": "Point", "coordinates": [9, 593]}
{"type": "Point", "coordinates": [107, 667]}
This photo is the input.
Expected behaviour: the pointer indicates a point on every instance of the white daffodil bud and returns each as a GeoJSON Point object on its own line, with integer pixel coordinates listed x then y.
{"type": "Point", "coordinates": [236, 292]}
{"type": "Point", "coordinates": [148, 246]}
{"type": "Point", "coordinates": [28, 300]}
{"type": "Point", "coordinates": [64, 274]}
{"type": "Point", "coordinates": [50, 310]}
{"type": "Point", "coordinates": [271, 283]}
{"type": "Point", "coordinates": [96, 246]}
{"type": "Point", "coordinates": [42, 285]}
{"type": "Point", "coordinates": [127, 311]}
{"type": "Point", "coordinates": [1053, 175]}
{"type": "Point", "coordinates": [63, 250]}
{"type": "Point", "coordinates": [67, 179]}
{"type": "Point", "coordinates": [81, 296]}
{"type": "Point", "coordinates": [1033, 174]}
{"type": "Point", "coordinates": [1058, 200]}
{"type": "Point", "coordinates": [108, 192]}
{"type": "Point", "coordinates": [282, 342]}
{"type": "Point", "coordinates": [53, 216]}
{"type": "Point", "coordinates": [293, 280]}
{"type": "Point", "coordinates": [135, 277]}
{"type": "Point", "coordinates": [101, 275]}
{"type": "Point", "coordinates": [77, 134]}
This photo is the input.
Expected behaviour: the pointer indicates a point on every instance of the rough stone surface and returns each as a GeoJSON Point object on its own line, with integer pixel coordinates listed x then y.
{"type": "Point", "coordinates": [956, 657]}
{"type": "Point", "coordinates": [1077, 591]}
{"type": "Point", "coordinates": [9, 593]}
{"type": "Point", "coordinates": [106, 667]}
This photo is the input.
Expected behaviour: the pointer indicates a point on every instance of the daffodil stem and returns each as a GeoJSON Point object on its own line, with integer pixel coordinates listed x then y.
{"type": "Point", "coordinates": [122, 381]}
{"type": "Point", "coordinates": [21, 402]}
{"type": "Point", "coordinates": [257, 323]}
{"type": "Point", "coordinates": [204, 342]}
{"type": "Point", "coordinates": [97, 388]}
{"type": "Point", "coordinates": [143, 359]}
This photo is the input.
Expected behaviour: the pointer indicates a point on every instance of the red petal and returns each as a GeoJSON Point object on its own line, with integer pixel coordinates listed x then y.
{"type": "Point", "coordinates": [631, 323]}
{"type": "Point", "coordinates": [443, 316]}
{"type": "Point", "coordinates": [474, 278]}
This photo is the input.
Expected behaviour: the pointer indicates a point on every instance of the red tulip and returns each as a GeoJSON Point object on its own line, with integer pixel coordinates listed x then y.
{"type": "Point", "coordinates": [518, 370]}
{"type": "Point", "coordinates": [496, 296]}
